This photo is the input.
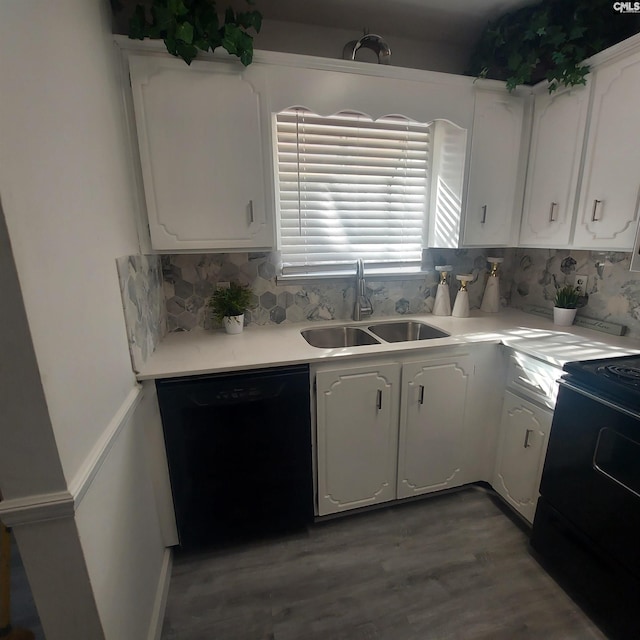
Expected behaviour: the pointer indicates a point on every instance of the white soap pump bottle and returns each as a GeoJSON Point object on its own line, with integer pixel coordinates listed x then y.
{"type": "Point", "coordinates": [442, 306]}
{"type": "Point", "coordinates": [461, 305]}
{"type": "Point", "coordinates": [491, 297]}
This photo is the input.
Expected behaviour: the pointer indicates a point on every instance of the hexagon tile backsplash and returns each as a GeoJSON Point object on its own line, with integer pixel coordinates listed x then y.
{"type": "Point", "coordinates": [169, 293]}
{"type": "Point", "coordinates": [190, 279]}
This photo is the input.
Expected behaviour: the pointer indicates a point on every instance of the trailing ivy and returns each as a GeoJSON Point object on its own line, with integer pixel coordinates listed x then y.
{"type": "Point", "coordinates": [189, 26]}
{"type": "Point", "coordinates": [549, 40]}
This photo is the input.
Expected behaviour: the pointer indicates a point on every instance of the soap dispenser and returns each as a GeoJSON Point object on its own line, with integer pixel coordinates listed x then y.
{"type": "Point", "coordinates": [461, 305]}
{"type": "Point", "coordinates": [491, 297]}
{"type": "Point", "coordinates": [442, 306]}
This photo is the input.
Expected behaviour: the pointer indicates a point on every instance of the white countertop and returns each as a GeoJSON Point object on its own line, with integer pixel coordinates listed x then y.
{"type": "Point", "coordinates": [198, 352]}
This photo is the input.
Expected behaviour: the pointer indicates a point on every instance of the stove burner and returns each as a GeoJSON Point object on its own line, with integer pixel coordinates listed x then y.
{"type": "Point", "coordinates": [626, 374]}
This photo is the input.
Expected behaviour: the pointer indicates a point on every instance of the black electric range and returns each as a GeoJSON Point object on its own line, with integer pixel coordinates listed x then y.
{"type": "Point", "coordinates": [587, 524]}
{"type": "Point", "coordinates": [616, 379]}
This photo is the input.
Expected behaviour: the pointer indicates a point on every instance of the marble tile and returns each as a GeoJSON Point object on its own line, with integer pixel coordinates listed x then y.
{"type": "Point", "coordinates": [143, 293]}
{"type": "Point", "coordinates": [170, 293]}
{"type": "Point", "coordinates": [613, 291]}
{"type": "Point", "coordinates": [189, 280]}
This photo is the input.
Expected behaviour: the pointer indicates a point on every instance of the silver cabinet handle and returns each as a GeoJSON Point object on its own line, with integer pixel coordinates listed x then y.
{"type": "Point", "coordinates": [379, 400]}
{"type": "Point", "coordinates": [552, 211]}
{"type": "Point", "coordinates": [421, 394]}
{"type": "Point", "coordinates": [594, 217]}
{"type": "Point", "coordinates": [527, 435]}
{"type": "Point", "coordinates": [484, 214]}
{"type": "Point", "coordinates": [251, 218]}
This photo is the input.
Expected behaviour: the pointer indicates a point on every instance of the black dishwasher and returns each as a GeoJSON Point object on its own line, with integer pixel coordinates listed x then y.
{"type": "Point", "coordinates": [239, 452]}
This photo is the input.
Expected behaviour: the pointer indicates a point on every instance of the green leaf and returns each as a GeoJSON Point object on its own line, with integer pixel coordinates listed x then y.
{"type": "Point", "coordinates": [171, 43]}
{"type": "Point", "coordinates": [514, 61]}
{"type": "Point", "coordinates": [185, 32]}
{"type": "Point", "coordinates": [576, 32]}
{"type": "Point", "coordinates": [187, 26]}
{"type": "Point", "coordinates": [186, 51]}
{"type": "Point", "coordinates": [162, 18]}
{"type": "Point", "coordinates": [138, 24]}
{"type": "Point", "coordinates": [246, 57]}
{"type": "Point", "coordinates": [177, 7]}
{"type": "Point", "coordinates": [250, 19]}
{"type": "Point", "coordinates": [215, 39]}
{"type": "Point", "coordinates": [231, 38]}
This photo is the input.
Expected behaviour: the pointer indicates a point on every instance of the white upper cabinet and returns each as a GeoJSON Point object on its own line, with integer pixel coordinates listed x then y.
{"type": "Point", "coordinates": [559, 121]}
{"type": "Point", "coordinates": [201, 149]}
{"type": "Point", "coordinates": [608, 206]}
{"type": "Point", "coordinates": [492, 194]}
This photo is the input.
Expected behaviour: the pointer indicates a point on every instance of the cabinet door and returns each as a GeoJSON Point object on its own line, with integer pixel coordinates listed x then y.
{"type": "Point", "coordinates": [608, 209]}
{"type": "Point", "coordinates": [200, 145]}
{"type": "Point", "coordinates": [523, 442]}
{"type": "Point", "coordinates": [357, 431]}
{"type": "Point", "coordinates": [433, 422]}
{"type": "Point", "coordinates": [493, 174]}
{"type": "Point", "coordinates": [559, 122]}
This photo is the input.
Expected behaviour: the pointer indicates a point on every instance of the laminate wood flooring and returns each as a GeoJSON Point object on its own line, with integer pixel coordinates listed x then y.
{"type": "Point", "coordinates": [451, 567]}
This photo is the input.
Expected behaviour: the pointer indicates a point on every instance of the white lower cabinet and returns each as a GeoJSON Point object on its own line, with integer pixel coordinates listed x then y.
{"type": "Point", "coordinates": [432, 425]}
{"type": "Point", "coordinates": [357, 436]}
{"type": "Point", "coordinates": [378, 439]}
{"type": "Point", "coordinates": [522, 447]}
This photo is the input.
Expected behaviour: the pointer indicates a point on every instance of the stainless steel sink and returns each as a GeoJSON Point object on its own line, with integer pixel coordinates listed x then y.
{"type": "Point", "coordinates": [406, 331]}
{"type": "Point", "coordinates": [335, 337]}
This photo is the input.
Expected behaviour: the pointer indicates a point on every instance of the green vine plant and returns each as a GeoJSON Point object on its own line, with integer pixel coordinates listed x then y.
{"type": "Point", "coordinates": [190, 26]}
{"type": "Point", "coordinates": [549, 40]}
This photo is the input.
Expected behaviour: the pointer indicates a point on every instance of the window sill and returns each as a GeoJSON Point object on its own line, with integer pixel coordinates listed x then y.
{"type": "Point", "coordinates": [375, 274]}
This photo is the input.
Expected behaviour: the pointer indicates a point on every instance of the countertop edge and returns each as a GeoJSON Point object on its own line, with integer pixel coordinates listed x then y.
{"type": "Point", "coordinates": [201, 352]}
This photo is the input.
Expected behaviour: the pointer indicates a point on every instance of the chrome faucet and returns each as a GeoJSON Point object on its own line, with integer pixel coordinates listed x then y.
{"type": "Point", "coordinates": [362, 306]}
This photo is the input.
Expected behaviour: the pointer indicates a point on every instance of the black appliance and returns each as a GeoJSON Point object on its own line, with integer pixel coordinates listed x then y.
{"type": "Point", "coordinates": [587, 526]}
{"type": "Point", "coordinates": [239, 453]}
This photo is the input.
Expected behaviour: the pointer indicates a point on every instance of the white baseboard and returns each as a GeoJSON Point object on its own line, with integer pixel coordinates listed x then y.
{"type": "Point", "coordinates": [160, 604]}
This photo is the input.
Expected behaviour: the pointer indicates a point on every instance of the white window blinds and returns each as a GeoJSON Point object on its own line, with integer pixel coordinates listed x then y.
{"type": "Point", "coordinates": [350, 188]}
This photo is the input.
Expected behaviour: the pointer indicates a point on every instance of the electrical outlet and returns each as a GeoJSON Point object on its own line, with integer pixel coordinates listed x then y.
{"type": "Point", "coordinates": [582, 284]}
{"type": "Point", "coordinates": [222, 285]}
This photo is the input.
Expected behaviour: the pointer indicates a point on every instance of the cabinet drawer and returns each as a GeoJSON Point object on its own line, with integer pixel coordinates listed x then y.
{"type": "Point", "coordinates": [531, 378]}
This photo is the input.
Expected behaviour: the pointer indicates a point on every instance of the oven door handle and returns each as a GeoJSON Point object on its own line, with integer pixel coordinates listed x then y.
{"type": "Point", "coordinates": [588, 394]}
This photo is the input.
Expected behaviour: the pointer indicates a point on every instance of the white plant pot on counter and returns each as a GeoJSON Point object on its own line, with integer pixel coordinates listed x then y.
{"type": "Point", "coordinates": [564, 317]}
{"type": "Point", "coordinates": [233, 324]}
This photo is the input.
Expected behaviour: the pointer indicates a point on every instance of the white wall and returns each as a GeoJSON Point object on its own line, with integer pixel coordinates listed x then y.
{"type": "Point", "coordinates": [69, 203]}
{"type": "Point", "coordinates": [69, 207]}
{"type": "Point", "coordinates": [291, 37]}
{"type": "Point", "coordinates": [25, 428]}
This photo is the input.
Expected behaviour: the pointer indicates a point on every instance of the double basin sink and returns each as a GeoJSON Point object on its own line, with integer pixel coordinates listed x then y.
{"type": "Point", "coordinates": [348, 336]}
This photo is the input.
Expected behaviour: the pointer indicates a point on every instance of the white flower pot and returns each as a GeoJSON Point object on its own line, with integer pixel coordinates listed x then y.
{"type": "Point", "coordinates": [563, 317]}
{"type": "Point", "coordinates": [233, 324]}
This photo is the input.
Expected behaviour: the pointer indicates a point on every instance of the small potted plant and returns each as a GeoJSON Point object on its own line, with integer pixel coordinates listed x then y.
{"type": "Point", "coordinates": [229, 304]}
{"type": "Point", "coordinates": [565, 305]}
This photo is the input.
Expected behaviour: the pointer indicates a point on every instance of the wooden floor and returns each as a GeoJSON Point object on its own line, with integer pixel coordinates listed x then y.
{"type": "Point", "coordinates": [451, 567]}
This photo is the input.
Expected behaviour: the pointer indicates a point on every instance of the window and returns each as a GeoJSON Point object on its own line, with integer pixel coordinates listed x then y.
{"type": "Point", "coordinates": [351, 188]}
